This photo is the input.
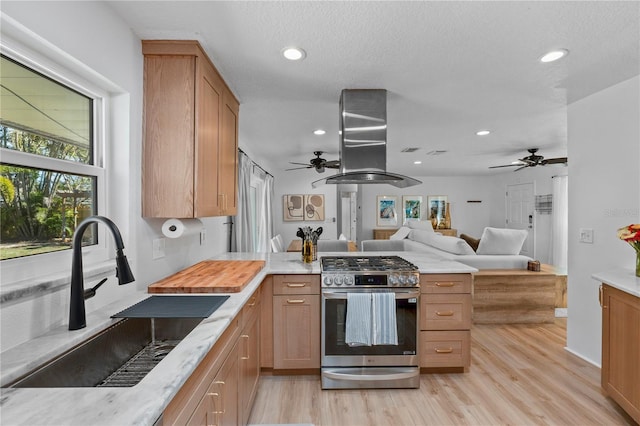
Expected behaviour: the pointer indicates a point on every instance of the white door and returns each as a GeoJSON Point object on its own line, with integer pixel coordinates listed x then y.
{"type": "Point", "coordinates": [521, 213]}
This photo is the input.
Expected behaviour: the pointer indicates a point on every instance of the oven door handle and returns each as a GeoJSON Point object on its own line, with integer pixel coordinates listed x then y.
{"type": "Point", "coordinates": [343, 294]}
{"type": "Point", "coordinates": [368, 377]}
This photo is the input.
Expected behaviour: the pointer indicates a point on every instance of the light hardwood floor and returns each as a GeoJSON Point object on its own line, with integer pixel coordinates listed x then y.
{"type": "Point", "coordinates": [520, 375]}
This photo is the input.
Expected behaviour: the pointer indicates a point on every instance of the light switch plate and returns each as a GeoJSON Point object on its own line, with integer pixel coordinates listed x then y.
{"type": "Point", "coordinates": [586, 235]}
{"type": "Point", "coordinates": [158, 248]}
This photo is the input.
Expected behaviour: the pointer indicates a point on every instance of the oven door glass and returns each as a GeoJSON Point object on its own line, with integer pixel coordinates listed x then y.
{"type": "Point", "coordinates": [334, 318]}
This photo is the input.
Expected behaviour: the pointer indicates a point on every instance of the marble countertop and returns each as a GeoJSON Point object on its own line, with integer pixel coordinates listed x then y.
{"type": "Point", "coordinates": [144, 403]}
{"type": "Point", "coordinates": [622, 279]}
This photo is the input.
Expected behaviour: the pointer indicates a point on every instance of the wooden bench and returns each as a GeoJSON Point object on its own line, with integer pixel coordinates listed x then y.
{"type": "Point", "coordinates": [504, 296]}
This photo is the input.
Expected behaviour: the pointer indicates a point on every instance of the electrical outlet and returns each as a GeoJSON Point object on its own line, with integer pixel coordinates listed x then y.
{"type": "Point", "coordinates": [203, 236]}
{"type": "Point", "coordinates": [158, 248]}
{"type": "Point", "coordinates": [586, 235]}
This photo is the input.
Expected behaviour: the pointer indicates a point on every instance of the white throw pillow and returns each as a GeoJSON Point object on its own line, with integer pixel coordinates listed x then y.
{"type": "Point", "coordinates": [423, 236]}
{"type": "Point", "coordinates": [452, 245]}
{"type": "Point", "coordinates": [501, 241]}
{"type": "Point", "coordinates": [420, 224]}
{"type": "Point", "coordinates": [401, 234]}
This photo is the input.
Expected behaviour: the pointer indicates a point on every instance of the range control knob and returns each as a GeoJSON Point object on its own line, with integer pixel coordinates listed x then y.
{"type": "Point", "coordinates": [338, 280]}
{"type": "Point", "coordinates": [413, 280]}
{"type": "Point", "coordinates": [393, 280]}
{"type": "Point", "coordinates": [348, 280]}
{"type": "Point", "coordinates": [328, 280]}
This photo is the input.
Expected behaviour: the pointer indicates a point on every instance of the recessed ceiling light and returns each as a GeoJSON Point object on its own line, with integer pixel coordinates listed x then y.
{"type": "Point", "coordinates": [319, 132]}
{"type": "Point", "coordinates": [293, 53]}
{"type": "Point", "coordinates": [554, 55]}
{"type": "Point", "coordinates": [483, 132]}
{"type": "Point", "coordinates": [417, 162]}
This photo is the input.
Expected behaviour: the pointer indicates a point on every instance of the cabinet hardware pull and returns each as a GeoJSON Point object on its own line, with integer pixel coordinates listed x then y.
{"type": "Point", "coordinates": [444, 314]}
{"type": "Point", "coordinates": [295, 285]}
{"type": "Point", "coordinates": [600, 295]}
{"type": "Point", "coordinates": [444, 351]}
{"type": "Point", "coordinates": [220, 395]}
{"type": "Point", "coordinates": [253, 302]}
{"type": "Point", "coordinates": [246, 350]}
{"type": "Point", "coordinates": [295, 300]}
{"type": "Point", "coordinates": [445, 284]}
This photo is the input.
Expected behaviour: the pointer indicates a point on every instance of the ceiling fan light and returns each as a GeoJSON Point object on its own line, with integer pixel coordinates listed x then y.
{"type": "Point", "coordinates": [554, 55]}
{"type": "Point", "coordinates": [294, 53]}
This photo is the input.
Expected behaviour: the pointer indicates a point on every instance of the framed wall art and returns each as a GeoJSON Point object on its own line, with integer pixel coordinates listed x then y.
{"type": "Point", "coordinates": [387, 210]}
{"type": "Point", "coordinates": [437, 209]}
{"type": "Point", "coordinates": [411, 207]}
{"type": "Point", "coordinates": [314, 207]}
{"type": "Point", "coordinates": [293, 207]}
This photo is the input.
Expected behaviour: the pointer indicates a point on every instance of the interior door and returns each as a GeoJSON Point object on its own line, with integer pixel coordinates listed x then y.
{"type": "Point", "coordinates": [520, 203]}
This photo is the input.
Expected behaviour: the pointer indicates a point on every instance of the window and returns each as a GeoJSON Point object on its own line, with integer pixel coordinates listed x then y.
{"type": "Point", "coordinates": [50, 169]}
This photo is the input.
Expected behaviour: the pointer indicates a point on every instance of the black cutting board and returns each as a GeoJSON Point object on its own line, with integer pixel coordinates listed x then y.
{"type": "Point", "coordinates": [173, 307]}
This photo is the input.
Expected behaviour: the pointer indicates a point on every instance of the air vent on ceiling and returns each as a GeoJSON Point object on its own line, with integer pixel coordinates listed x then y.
{"type": "Point", "coordinates": [410, 149]}
{"type": "Point", "coordinates": [436, 152]}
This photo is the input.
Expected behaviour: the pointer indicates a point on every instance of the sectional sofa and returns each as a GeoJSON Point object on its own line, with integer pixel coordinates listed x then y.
{"type": "Point", "coordinates": [504, 290]}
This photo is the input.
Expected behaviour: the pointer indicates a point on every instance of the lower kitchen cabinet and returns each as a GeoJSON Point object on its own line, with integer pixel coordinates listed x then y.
{"type": "Point", "coordinates": [621, 348]}
{"type": "Point", "coordinates": [296, 322]}
{"type": "Point", "coordinates": [222, 388]}
{"type": "Point", "coordinates": [445, 320]}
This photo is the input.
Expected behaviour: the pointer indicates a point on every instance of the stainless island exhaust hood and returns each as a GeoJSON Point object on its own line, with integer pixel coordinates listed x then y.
{"type": "Point", "coordinates": [363, 141]}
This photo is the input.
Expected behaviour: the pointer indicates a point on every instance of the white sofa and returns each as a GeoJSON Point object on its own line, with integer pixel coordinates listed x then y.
{"type": "Point", "coordinates": [498, 248]}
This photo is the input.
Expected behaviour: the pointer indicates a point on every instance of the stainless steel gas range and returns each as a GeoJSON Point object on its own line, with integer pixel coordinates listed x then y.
{"type": "Point", "coordinates": [370, 313]}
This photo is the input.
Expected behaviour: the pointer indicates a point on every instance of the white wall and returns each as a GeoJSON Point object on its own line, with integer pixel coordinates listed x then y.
{"type": "Point", "coordinates": [604, 153]}
{"type": "Point", "coordinates": [299, 182]}
{"type": "Point", "coordinates": [95, 36]}
{"type": "Point", "coordinates": [467, 218]}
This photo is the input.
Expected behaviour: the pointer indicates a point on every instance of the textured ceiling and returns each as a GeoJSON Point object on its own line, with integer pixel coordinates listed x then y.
{"type": "Point", "coordinates": [450, 69]}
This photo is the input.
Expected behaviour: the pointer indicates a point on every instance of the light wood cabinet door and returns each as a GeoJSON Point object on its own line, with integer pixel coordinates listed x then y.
{"type": "Point", "coordinates": [228, 156]}
{"type": "Point", "coordinates": [445, 312]}
{"type": "Point", "coordinates": [445, 348]}
{"type": "Point", "coordinates": [224, 392]}
{"type": "Point", "coordinates": [296, 331]}
{"type": "Point", "coordinates": [621, 349]}
{"type": "Point", "coordinates": [209, 101]}
{"type": "Point", "coordinates": [249, 348]}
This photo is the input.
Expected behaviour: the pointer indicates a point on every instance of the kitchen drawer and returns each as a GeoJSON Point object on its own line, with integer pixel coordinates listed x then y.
{"type": "Point", "coordinates": [445, 283]}
{"type": "Point", "coordinates": [296, 284]}
{"type": "Point", "coordinates": [250, 307]}
{"type": "Point", "coordinates": [445, 348]}
{"type": "Point", "coordinates": [445, 312]}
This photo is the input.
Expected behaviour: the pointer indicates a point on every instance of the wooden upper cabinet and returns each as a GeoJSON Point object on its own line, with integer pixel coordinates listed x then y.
{"type": "Point", "coordinates": [189, 164]}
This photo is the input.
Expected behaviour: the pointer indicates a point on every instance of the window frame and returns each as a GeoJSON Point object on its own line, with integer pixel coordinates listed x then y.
{"type": "Point", "coordinates": [58, 67]}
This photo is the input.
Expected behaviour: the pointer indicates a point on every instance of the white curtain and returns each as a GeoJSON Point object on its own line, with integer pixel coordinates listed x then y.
{"type": "Point", "coordinates": [560, 227]}
{"type": "Point", "coordinates": [242, 240]}
{"type": "Point", "coordinates": [264, 215]}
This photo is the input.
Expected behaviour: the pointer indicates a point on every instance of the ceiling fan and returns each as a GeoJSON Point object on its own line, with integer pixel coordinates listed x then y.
{"type": "Point", "coordinates": [318, 163]}
{"type": "Point", "coordinates": [533, 160]}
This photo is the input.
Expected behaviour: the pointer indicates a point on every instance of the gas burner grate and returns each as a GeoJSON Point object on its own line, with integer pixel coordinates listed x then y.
{"type": "Point", "coordinates": [365, 263]}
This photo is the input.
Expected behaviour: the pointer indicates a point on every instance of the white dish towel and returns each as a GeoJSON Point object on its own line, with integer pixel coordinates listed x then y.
{"type": "Point", "coordinates": [358, 322]}
{"type": "Point", "coordinates": [385, 327]}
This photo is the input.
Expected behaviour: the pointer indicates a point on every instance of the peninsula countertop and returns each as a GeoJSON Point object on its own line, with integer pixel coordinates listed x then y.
{"type": "Point", "coordinates": [144, 403]}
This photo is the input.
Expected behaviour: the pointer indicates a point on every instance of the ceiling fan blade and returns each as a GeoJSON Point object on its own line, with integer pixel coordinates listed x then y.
{"type": "Point", "coordinates": [333, 164]}
{"type": "Point", "coordinates": [559, 160]}
{"type": "Point", "coordinates": [301, 164]}
{"type": "Point", "coordinates": [298, 168]}
{"type": "Point", "coordinates": [522, 167]}
{"type": "Point", "coordinates": [506, 165]}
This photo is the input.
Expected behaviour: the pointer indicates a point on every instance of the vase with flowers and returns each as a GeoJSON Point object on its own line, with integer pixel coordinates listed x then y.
{"type": "Point", "coordinates": [631, 234]}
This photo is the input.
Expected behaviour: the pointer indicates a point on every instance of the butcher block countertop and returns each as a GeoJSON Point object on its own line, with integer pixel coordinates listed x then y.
{"type": "Point", "coordinates": [210, 276]}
